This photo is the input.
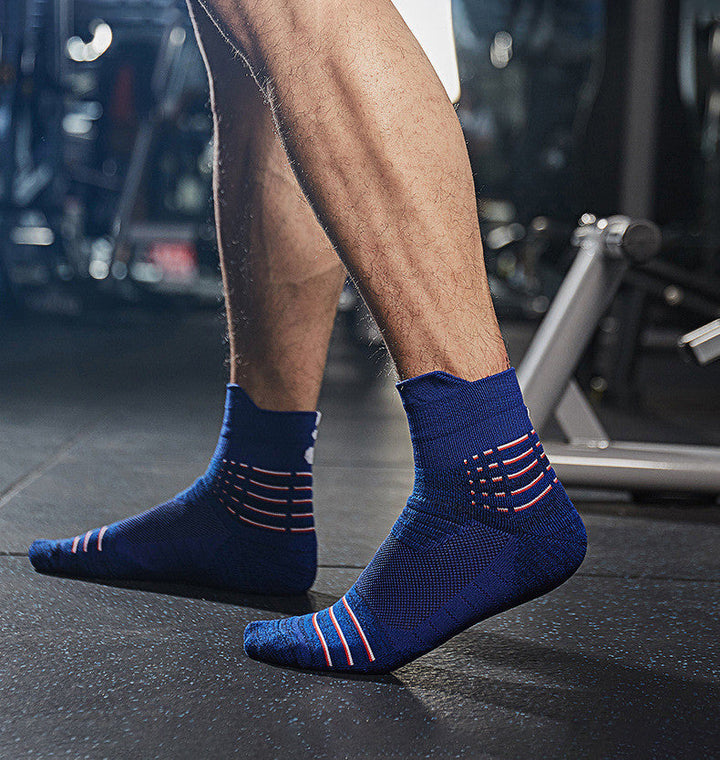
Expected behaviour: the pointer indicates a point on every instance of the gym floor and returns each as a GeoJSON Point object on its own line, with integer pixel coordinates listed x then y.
{"type": "Point", "coordinates": [103, 417]}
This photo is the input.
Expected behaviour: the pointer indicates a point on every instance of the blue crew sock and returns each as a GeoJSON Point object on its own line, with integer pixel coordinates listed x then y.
{"type": "Point", "coordinates": [245, 525]}
{"type": "Point", "coordinates": [487, 526]}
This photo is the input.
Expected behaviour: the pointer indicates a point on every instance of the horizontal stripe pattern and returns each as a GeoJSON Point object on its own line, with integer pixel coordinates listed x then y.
{"type": "Point", "coordinates": [517, 471]}
{"type": "Point", "coordinates": [279, 501]}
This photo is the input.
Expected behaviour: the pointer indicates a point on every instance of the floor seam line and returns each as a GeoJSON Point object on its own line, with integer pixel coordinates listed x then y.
{"type": "Point", "coordinates": [618, 576]}
{"type": "Point", "coordinates": [29, 478]}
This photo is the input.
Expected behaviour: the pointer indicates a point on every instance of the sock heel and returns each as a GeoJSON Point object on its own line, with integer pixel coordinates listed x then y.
{"type": "Point", "coordinates": [542, 561]}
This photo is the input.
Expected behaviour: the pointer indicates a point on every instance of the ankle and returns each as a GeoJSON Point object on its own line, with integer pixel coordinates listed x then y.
{"type": "Point", "coordinates": [475, 449]}
{"type": "Point", "coordinates": [283, 440]}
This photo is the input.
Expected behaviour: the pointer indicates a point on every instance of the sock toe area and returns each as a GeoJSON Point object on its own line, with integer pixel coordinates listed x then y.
{"type": "Point", "coordinates": [282, 642]}
{"type": "Point", "coordinates": [253, 638]}
{"type": "Point", "coordinates": [263, 640]}
{"type": "Point", "coordinates": [41, 555]}
{"type": "Point", "coordinates": [57, 556]}
{"type": "Point", "coordinates": [48, 556]}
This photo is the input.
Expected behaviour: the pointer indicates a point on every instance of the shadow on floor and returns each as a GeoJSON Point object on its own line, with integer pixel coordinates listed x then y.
{"type": "Point", "coordinates": [312, 601]}
{"type": "Point", "coordinates": [616, 711]}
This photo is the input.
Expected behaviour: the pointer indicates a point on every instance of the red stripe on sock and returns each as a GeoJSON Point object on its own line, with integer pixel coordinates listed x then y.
{"type": "Point", "coordinates": [266, 498]}
{"type": "Point", "coordinates": [513, 443]}
{"type": "Point", "coordinates": [322, 640]}
{"type": "Point", "coordinates": [534, 501]}
{"type": "Point", "coordinates": [342, 637]}
{"type": "Point", "coordinates": [365, 642]}
{"type": "Point", "coordinates": [266, 485]}
{"type": "Point", "coordinates": [260, 525]}
{"type": "Point", "coordinates": [524, 469]}
{"type": "Point", "coordinates": [528, 486]}
{"type": "Point", "coordinates": [271, 472]}
{"type": "Point", "coordinates": [517, 458]}
{"type": "Point", "coordinates": [263, 511]}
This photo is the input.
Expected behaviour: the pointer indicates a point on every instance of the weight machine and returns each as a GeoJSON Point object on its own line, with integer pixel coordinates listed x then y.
{"type": "Point", "coordinates": [606, 249]}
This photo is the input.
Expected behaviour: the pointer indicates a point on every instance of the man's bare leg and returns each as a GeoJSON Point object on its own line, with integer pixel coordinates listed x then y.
{"type": "Point", "coordinates": [281, 276]}
{"type": "Point", "coordinates": [247, 523]}
{"type": "Point", "coordinates": [380, 155]}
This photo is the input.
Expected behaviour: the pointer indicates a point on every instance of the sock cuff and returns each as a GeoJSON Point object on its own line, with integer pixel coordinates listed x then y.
{"type": "Point", "coordinates": [267, 432]}
{"type": "Point", "coordinates": [439, 404]}
{"type": "Point", "coordinates": [453, 421]}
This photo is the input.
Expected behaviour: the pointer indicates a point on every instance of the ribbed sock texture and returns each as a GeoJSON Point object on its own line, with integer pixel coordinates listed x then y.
{"type": "Point", "coordinates": [245, 525]}
{"type": "Point", "coordinates": [487, 526]}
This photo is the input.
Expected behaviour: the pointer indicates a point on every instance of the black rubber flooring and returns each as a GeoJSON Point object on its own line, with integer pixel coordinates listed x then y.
{"type": "Point", "coordinates": [104, 417]}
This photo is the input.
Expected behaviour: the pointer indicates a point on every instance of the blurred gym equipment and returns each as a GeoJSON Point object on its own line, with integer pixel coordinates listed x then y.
{"type": "Point", "coordinates": [86, 88]}
{"type": "Point", "coordinates": [606, 249]}
{"type": "Point", "coordinates": [703, 344]}
{"type": "Point", "coordinates": [659, 82]}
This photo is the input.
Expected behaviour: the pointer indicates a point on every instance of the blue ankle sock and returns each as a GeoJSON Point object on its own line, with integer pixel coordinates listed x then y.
{"type": "Point", "coordinates": [488, 526]}
{"type": "Point", "coordinates": [245, 525]}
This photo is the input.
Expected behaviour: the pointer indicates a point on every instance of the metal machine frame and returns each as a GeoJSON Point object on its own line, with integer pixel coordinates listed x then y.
{"type": "Point", "coordinates": [606, 249]}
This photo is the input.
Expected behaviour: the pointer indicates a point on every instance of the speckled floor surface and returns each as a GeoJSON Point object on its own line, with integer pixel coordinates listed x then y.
{"type": "Point", "coordinates": [102, 419]}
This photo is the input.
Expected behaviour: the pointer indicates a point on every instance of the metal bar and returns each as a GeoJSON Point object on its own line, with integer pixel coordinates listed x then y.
{"type": "Point", "coordinates": [169, 47]}
{"type": "Point", "coordinates": [569, 325]}
{"type": "Point", "coordinates": [703, 344]}
{"type": "Point", "coordinates": [634, 466]}
{"type": "Point", "coordinates": [637, 192]}
{"type": "Point", "coordinates": [577, 418]}
{"type": "Point", "coordinates": [140, 151]}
